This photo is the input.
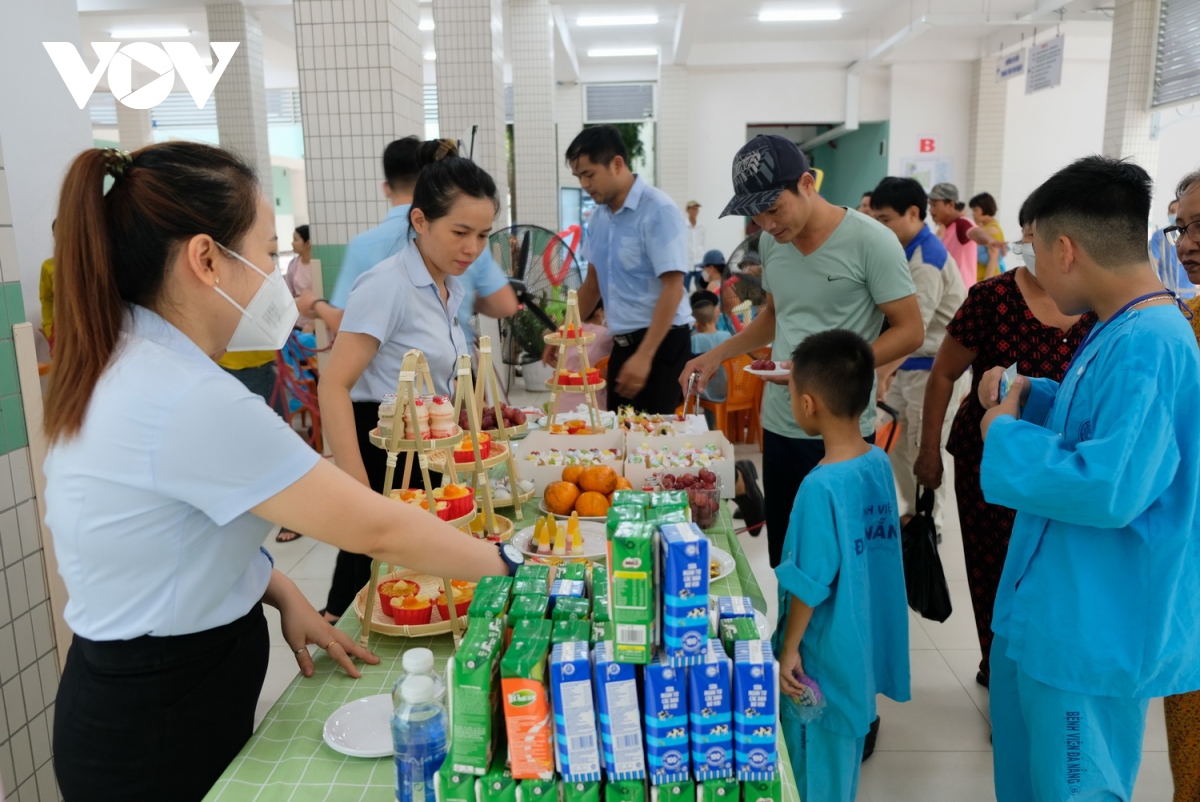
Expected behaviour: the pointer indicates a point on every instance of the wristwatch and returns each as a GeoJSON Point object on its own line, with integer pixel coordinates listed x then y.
{"type": "Point", "coordinates": [512, 558]}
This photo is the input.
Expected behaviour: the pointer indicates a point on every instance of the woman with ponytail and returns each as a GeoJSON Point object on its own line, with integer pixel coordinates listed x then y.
{"type": "Point", "coordinates": [410, 300]}
{"type": "Point", "coordinates": [165, 475]}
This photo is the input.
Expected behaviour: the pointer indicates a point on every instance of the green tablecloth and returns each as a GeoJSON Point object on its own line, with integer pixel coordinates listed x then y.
{"type": "Point", "coordinates": [287, 759]}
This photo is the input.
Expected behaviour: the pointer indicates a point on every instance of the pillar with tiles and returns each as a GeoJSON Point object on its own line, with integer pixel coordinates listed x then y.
{"type": "Point", "coordinates": [535, 146]}
{"type": "Point", "coordinates": [135, 129]}
{"type": "Point", "coordinates": [985, 146]}
{"type": "Point", "coordinates": [241, 96]}
{"type": "Point", "coordinates": [568, 118]}
{"type": "Point", "coordinates": [1127, 117]}
{"type": "Point", "coordinates": [468, 41]}
{"type": "Point", "coordinates": [360, 88]}
{"type": "Point", "coordinates": [673, 132]}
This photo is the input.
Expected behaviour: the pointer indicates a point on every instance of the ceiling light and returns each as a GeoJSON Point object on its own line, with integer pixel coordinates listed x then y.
{"type": "Point", "coordinates": [619, 52]}
{"type": "Point", "coordinates": [594, 22]}
{"type": "Point", "coordinates": [430, 55]}
{"type": "Point", "coordinates": [150, 33]}
{"type": "Point", "coordinates": [799, 16]}
{"type": "Point", "coordinates": [425, 25]}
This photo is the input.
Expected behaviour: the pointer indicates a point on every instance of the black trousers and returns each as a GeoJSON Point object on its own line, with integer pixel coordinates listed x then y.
{"type": "Point", "coordinates": [157, 718]}
{"type": "Point", "coordinates": [661, 393]}
{"type": "Point", "coordinates": [352, 571]}
{"type": "Point", "coordinates": [786, 461]}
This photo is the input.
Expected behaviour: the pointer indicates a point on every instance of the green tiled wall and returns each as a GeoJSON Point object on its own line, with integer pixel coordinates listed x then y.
{"type": "Point", "coordinates": [331, 257]}
{"type": "Point", "coordinates": [13, 434]}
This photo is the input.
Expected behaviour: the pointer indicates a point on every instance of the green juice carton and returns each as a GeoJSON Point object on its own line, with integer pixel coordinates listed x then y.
{"type": "Point", "coordinates": [533, 571]}
{"type": "Point", "coordinates": [539, 790]}
{"type": "Point", "coordinates": [571, 631]}
{"type": "Point", "coordinates": [529, 606]}
{"type": "Point", "coordinates": [527, 714]}
{"type": "Point", "coordinates": [475, 691]}
{"type": "Point", "coordinates": [456, 786]}
{"type": "Point", "coordinates": [631, 498]}
{"type": "Point", "coordinates": [600, 610]}
{"type": "Point", "coordinates": [532, 579]}
{"type": "Point", "coordinates": [494, 584]}
{"type": "Point", "coordinates": [632, 598]}
{"type": "Point", "coordinates": [669, 498]}
{"type": "Point", "coordinates": [571, 571]}
{"type": "Point", "coordinates": [488, 605]}
{"type": "Point", "coordinates": [498, 784]}
{"type": "Point", "coordinates": [667, 515]}
{"type": "Point", "coordinates": [580, 791]}
{"type": "Point", "coordinates": [726, 789]}
{"type": "Point", "coordinates": [763, 790]}
{"type": "Point", "coordinates": [623, 515]}
{"type": "Point", "coordinates": [684, 791]}
{"type": "Point", "coordinates": [571, 608]}
{"type": "Point", "coordinates": [733, 630]}
{"type": "Point", "coordinates": [625, 791]}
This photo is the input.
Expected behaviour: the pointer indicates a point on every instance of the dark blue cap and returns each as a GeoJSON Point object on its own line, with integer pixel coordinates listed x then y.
{"type": "Point", "coordinates": [713, 257]}
{"type": "Point", "coordinates": [762, 169]}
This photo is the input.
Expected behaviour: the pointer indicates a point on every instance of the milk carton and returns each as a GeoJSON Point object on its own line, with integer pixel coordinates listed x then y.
{"type": "Point", "coordinates": [576, 750]}
{"type": "Point", "coordinates": [710, 714]}
{"type": "Point", "coordinates": [565, 589]}
{"type": "Point", "coordinates": [667, 755]}
{"type": "Point", "coordinates": [755, 710]}
{"type": "Point", "coordinates": [620, 715]}
{"type": "Point", "coordinates": [735, 607]}
{"type": "Point", "coordinates": [633, 572]}
{"type": "Point", "coordinates": [527, 714]}
{"type": "Point", "coordinates": [685, 592]}
{"type": "Point", "coordinates": [475, 688]}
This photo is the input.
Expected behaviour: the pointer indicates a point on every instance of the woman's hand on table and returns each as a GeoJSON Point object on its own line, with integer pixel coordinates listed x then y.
{"type": "Point", "coordinates": [302, 625]}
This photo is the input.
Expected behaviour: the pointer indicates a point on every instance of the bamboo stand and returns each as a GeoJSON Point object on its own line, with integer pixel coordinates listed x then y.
{"type": "Point", "coordinates": [579, 342]}
{"type": "Point", "coordinates": [413, 370]}
{"type": "Point", "coordinates": [487, 390]}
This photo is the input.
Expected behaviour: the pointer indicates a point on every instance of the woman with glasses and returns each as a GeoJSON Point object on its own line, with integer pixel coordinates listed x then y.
{"type": "Point", "coordinates": [1183, 711]}
{"type": "Point", "coordinates": [1006, 319]}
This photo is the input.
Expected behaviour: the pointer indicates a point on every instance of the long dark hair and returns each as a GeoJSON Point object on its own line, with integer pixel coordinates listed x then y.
{"type": "Point", "coordinates": [444, 177]}
{"type": "Point", "coordinates": [115, 249]}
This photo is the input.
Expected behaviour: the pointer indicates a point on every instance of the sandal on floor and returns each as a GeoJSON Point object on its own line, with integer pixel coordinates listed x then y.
{"type": "Point", "coordinates": [280, 538]}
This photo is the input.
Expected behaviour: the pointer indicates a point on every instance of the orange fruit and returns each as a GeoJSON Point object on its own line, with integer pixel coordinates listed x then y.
{"type": "Point", "coordinates": [560, 497]}
{"type": "Point", "coordinates": [599, 479]}
{"type": "Point", "coordinates": [571, 474]}
{"type": "Point", "coordinates": [623, 483]}
{"type": "Point", "coordinates": [592, 504]}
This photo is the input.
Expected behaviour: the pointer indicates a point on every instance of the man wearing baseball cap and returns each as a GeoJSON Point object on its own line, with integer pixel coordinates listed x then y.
{"type": "Point", "coordinates": [824, 267]}
{"type": "Point", "coordinates": [960, 235]}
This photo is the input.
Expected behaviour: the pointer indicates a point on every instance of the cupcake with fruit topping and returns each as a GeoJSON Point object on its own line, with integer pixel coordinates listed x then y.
{"type": "Point", "coordinates": [395, 589]}
{"type": "Point", "coordinates": [412, 611]}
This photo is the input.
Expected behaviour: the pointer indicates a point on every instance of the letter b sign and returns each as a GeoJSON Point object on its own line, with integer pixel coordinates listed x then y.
{"type": "Point", "coordinates": [927, 144]}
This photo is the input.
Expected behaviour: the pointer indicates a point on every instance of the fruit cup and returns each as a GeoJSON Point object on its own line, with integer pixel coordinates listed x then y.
{"type": "Point", "coordinates": [412, 611]}
{"type": "Point", "coordinates": [593, 376]}
{"type": "Point", "coordinates": [395, 589]}
{"type": "Point", "coordinates": [462, 602]}
{"type": "Point", "coordinates": [459, 500]}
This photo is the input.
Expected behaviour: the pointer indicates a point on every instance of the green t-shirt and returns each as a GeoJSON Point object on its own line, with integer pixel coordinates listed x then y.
{"type": "Point", "coordinates": [838, 286]}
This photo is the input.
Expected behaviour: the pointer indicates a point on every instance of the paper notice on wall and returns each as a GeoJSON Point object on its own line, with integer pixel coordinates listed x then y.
{"type": "Point", "coordinates": [927, 171]}
{"type": "Point", "coordinates": [1045, 66]}
{"type": "Point", "coordinates": [1010, 66]}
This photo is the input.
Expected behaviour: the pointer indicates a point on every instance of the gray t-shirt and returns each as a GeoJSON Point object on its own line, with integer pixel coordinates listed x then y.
{"type": "Point", "coordinates": [838, 286]}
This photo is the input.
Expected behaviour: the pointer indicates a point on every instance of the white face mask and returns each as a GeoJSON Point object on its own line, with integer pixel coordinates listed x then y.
{"type": "Point", "coordinates": [1027, 255]}
{"type": "Point", "coordinates": [269, 317]}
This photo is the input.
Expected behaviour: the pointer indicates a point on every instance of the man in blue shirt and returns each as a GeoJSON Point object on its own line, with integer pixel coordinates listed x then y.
{"type": "Point", "coordinates": [637, 256]}
{"type": "Point", "coordinates": [1096, 611]}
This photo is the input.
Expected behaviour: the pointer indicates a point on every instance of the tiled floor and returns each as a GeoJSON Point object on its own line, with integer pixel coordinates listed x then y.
{"type": "Point", "coordinates": [931, 749]}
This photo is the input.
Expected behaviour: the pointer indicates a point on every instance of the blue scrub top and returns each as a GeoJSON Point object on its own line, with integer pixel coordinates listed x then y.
{"type": "Point", "coordinates": [1099, 591]}
{"type": "Point", "coordinates": [842, 558]}
{"type": "Point", "coordinates": [369, 249]}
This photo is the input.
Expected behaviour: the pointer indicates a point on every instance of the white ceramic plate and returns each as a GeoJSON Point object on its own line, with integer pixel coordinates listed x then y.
{"type": "Point", "coordinates": [777, 373]}
{"type": "Point", "coordinates": [724, 558]}
{"type": "Point", "coordinates": [595, 541]}
{"type": "Point", "coordinates": [542, 507]}
{"type": "Point", "coordinates": [362, 728]}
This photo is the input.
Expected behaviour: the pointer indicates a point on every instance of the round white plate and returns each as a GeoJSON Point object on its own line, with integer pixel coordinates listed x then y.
{"type": "Point", "coordinates": [721, 556]}
{"type": "Point", "coordinates": [362, 728]}
{"type": "Point", "coordinates": [777, 373]}
{"type": "Point", "coordinates": [595, 541]}
{"type": "Point", "coordinates": [542, 507]}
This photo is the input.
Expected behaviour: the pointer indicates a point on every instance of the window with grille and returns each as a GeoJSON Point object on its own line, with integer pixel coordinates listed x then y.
{"type": "Point", "coordinates": [619, 103]}
{"type": "Point", "coordinates": [1177, 63]}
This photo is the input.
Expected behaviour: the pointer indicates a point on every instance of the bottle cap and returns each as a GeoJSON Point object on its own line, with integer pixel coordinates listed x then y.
{"type": "Point", "coordinates": [418, 661]}
{"type": "Point", "coordinates": [416, 690]}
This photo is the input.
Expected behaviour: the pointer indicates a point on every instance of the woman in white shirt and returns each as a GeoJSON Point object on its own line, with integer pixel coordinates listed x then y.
{"type": "Point", "coordinates": [410, 300]}
{"type": "Point", "coordinates": [165, 475]}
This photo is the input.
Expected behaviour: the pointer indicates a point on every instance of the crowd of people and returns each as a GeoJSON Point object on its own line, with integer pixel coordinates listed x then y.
{"type": "Point", "coordinates": [1077, 483]}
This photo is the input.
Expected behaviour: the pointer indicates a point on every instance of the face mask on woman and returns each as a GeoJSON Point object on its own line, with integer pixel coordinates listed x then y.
{"type": "Point", "coordinates": [269, 317]}
{"type": "Point", "coordinates": [1027, 255]}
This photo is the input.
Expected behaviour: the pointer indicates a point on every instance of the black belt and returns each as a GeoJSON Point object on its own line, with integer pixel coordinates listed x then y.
{"type": "Point", "coordinates": [634, 337]}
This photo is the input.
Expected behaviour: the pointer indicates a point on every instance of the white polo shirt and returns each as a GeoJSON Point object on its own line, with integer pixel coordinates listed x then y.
{"type": "Point", "coordinates": [149, 503]}
{"type": "Point", "coordinates": [397, 303]}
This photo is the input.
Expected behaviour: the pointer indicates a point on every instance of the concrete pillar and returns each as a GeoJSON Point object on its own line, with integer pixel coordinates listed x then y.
{"type": "Point", "coordinates": [241, 95]}
{"type": "Point", "coordinates": [1127, 116]}
{"type": "Point", "coordinates": [135, 129]}
{"type": "Point", "coordinates": [673, 135]}
{"type": "Point", "coordinates": [568, 118]}
{"type": "Point", "coordinates": [535, 144]}
{"type": "Point", "coordinates": [360, 88]}
{"type": "Point", "coordinates": [985, 145]}
{"type": "Point", "coordinates": [468, 39]}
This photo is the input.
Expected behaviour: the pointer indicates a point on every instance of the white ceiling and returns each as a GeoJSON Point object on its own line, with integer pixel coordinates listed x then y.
{"type": "Point", "coordinates": [704, 34]}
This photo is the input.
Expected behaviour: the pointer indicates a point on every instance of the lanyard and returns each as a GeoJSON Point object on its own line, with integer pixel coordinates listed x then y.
{"type": "Point", "coordinates": [1098, 328]}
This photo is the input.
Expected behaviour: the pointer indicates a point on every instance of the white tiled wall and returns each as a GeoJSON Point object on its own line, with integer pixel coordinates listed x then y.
{"type": "Point", "coordinates": [673, 117]}
{"type": "Point", "coordinates": [985, 149]}
{"type": "Point", "coordinates": [568, 116]}
{"type": "Point", "coordinates": [241, 95]}
{"type": "Point", "coordinates": [536, 153]}
{"type": "Point", "coordinates": [469, 42]}
{"type": "Point", "coordinates": [134, 126]}
{"type": "Point", "coordinates": [360, 70]}
{"type": "Point", "coordinates": [1131, 66]}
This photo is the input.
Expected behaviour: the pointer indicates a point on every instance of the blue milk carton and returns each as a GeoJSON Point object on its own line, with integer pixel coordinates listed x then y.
{"type": "Point", "coordinates": [755, 710]}
{"type": "Point", "coordinates": [734, 607]}
{"type": "Point", "coordinates": [710, 712]}
{"type": "Point", "coordinates": [666, 722]}
{"type": "Point", "coordinates": [566, 588]}
{"type": "Point", "coordinates": [576, 751]}
{"type": "Point", "coordinates": [685, 592]}
{"type": "Point", "coordinates": [620, 715]}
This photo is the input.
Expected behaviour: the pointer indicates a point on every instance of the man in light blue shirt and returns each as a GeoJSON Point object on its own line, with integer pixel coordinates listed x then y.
{"type": "Point", "coordinates": [637, 257]}
{"type": "Point", "coordinates": [1096, 611]}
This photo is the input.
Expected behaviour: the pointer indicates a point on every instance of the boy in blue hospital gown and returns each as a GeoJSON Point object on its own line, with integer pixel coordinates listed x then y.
{"type": "Point", "coordinates": [1098, 609]}
{"type": "Point", "coordinates": [844, 615]}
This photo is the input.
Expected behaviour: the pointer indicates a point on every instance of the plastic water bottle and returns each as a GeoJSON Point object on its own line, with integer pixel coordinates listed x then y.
{"type": "Point", "coordinates": [419, 736]}
{"type": "Point", "coordinates": [419, 663]}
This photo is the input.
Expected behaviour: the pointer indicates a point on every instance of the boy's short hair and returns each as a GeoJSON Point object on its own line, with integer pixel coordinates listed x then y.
{"type": "Point", "coordinates": [705, 313]}
{"type": "Point", "coordinates": [600, 143]}
{"type": "Point", "coordinates": [899, 194]}
{"type": "Point", "coordinates": [838, 367]}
